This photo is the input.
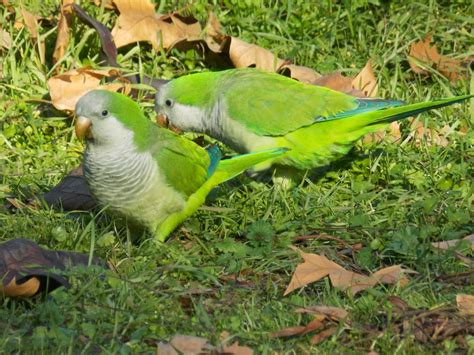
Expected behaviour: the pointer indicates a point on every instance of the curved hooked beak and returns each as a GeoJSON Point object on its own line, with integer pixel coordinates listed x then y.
{"type": "Point", "coordinates": [163, 121]}
{"type": "Point", "coordinates": [83, 127]}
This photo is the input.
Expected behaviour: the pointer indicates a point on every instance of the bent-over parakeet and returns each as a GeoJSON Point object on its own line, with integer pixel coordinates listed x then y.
{"type": "Point", "coordinates": [148, 175]}
{"type": "Point", "coordinates": [250, 110]}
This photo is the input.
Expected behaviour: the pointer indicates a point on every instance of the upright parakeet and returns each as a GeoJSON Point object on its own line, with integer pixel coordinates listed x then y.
{"type": "Point", "coordinates": [148, 175]}
{"type": "Point", "coordinates": [250, 110]}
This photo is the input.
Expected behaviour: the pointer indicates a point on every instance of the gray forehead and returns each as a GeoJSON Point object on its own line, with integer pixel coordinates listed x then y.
{"type": "Point", "coordinates": [92, 102]}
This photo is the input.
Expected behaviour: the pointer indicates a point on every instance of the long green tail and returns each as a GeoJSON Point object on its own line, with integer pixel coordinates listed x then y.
{"type": "Point", "coordinates": [397, 113]}
{"type": "Point", "coordinates": [326, 141]}
{"type": "Point", "coordinates": [226, 170]}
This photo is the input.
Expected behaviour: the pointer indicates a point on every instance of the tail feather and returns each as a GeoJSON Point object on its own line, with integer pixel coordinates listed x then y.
{"type": "Point", "coordinates": [227, 169]}
{"type": "Point", "coordinates": [391, 114]}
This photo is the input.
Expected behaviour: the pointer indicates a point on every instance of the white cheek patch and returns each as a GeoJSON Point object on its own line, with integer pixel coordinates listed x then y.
{"type": "Point", "coordinates": [111, 131]}
{"type": "Point", "coordinates": [187, 118]}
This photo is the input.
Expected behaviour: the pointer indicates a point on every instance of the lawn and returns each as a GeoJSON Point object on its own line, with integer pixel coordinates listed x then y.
{"type": "Point", "coordinates": [384, 204]}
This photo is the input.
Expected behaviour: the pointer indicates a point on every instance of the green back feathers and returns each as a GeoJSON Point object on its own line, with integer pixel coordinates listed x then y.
{"type": "Point", "coordinates": [273, 105]}
{"type": "Point", "coordinates": [194, 89]}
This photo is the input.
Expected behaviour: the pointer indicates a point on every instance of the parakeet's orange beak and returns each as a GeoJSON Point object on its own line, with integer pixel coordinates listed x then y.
{"type": "Point", "coordinates": [163, 121]}
{"type": "Point", "coordinates": [83, 127]}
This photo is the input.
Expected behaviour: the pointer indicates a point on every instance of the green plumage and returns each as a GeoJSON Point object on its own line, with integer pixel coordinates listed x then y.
{"type": "Point", "coordinates": [150, 176]}
{"type": "Point", "coordinates": [249, 110]}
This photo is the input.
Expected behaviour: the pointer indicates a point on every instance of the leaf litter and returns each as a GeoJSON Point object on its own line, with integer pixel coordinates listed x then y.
{"type": "Point", "coordinates": [315, 267]}
{"type": "Point", "coordinates": [423, 55]}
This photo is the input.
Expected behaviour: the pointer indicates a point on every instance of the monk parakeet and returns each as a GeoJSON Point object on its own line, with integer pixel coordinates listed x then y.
{"type": "Point", "coordinates": [145, 174]}
{"type": "Point", "coordinates": [250, 110]}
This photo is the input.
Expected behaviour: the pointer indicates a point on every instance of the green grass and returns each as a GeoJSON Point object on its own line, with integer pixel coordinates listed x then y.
{"type": "Point", "coordinates": [395, 199]}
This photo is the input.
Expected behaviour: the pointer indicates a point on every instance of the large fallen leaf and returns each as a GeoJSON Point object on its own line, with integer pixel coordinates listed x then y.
{"type": "Point", "coordinates": [465, 304]}
{"type": "Point", "coordinates": [67, 88]}
{"type": "Point", "coordinates": [138, 21]}
{"type": "Point", "coordinates": [64, 23]}
{"type": "Point", "coordinates": [26, 269]}
{"type": "Point", "coordinates": [423, 53]}
{"type": "Point", "coordinates": [315, 267]}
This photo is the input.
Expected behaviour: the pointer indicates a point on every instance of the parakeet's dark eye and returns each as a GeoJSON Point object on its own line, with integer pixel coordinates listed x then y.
{"type": "Point", "coordinates": [169, 102]}
{"type": "Point", "coordinates": [105, 113]}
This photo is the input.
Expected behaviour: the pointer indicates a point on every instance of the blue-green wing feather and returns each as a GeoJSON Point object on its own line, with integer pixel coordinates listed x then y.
{"type": "Point", "coordinates": [215, 155]}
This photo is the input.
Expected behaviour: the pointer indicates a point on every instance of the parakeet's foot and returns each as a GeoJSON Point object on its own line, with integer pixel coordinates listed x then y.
{"type": "Point", "coordinates": [286, 178]}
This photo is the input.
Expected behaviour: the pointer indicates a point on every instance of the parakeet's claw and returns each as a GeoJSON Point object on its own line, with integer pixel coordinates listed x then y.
{"type": "Point", "coordinates": [286, 178]}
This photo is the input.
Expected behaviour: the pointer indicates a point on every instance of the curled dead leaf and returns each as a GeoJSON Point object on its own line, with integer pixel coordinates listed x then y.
{"type": "Point", "coordinates": [31, 22]}
{"type": "Point", "coordinates": [138, 21]}
{"type": "Point", "coordinates": [365, 81]}
{"type": "Point", "coordinates": [423, 55]}
{"type": "Point", "coordinates": [64, 24]}
{"type": "Point", "coordinates": [67, 88]}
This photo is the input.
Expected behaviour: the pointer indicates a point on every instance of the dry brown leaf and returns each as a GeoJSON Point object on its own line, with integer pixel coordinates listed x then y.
{"type": "Point", "coordinates": [363, 84]}
{"type": "Point", "coordinates": [445, 245]}
{"type": "Point", "coordinates": [422, 51]}
{"type": "Point", "coordinates": [315, 324]}
{"type": "Point", "coordinates": [5, 39]}
{"type": "Point", "coordinates": [288, 332]}
{"type": "Point", "coordinates": [64, 23]}
{"type": "Point", "coordinates": [465, 304]}
{"type": "Point", "coordinates": [31, 23]}
{"type": "Point", "coordinates": [138, 21]}
{"type": "Point", "coordinates": [67, 88]}
{"type": "Point", "coordinates": [243, 54]}
{"type": "Point", "coordinates": [188, 344]}
{"type": "Point", "coordinates": [316, 267]}
{"type": "Point", "coordinates": [326, 333]}
{"type": "Point", "coordinates": [335, 81]}
{"type": "Point", "coordinates": [300, 73]}
{"type": "Point", "coordinates": [335, 313]}
{"type": "Point", "coordinates": [108, 4]}
{"type": "Point", "coordinates": [236, 349]}
{"type": "Point", "coordinates": [365, 81]}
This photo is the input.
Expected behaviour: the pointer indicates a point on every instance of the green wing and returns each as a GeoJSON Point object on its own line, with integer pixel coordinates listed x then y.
{"type": "Point", "coordinates": [184, 163]}
{"type": "Point", "coordinates": [273, 105]}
